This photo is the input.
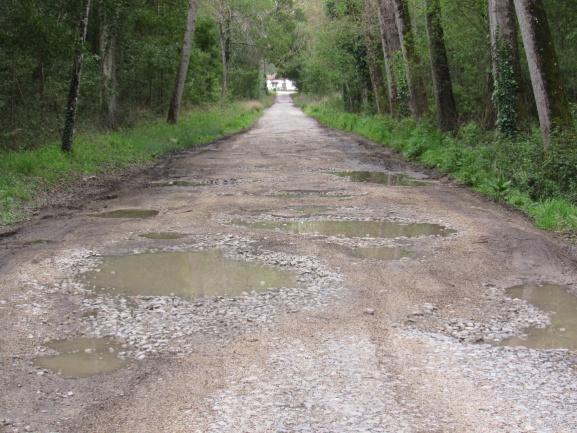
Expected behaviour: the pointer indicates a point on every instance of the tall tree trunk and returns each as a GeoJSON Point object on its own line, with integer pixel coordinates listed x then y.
{"type": "Point", "coordinates": [509, 98]}
{"type": "Point", "coordinates": [176, 101]}
{"type": "Point", "coordinates": [442, 84]}
{"type": "Point", "coordinates": [548, 89]}
{"type": "Point", "coordinates": [373, 47]}
{"type": "Point", "coordinates": [109, 78]}
{"type": "Point", "coordinates": [225, 46]}
{"type": "Point", "coordinates": [417, 92]}
{"type": "Point", "coordinates": [74, 90]}
{"type": "Point", "coordinates": [391, 45]}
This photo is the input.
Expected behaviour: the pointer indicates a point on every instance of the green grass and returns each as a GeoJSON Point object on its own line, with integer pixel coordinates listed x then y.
{"type": "Point", "coordinates": [514, 171]}
{"type": "Point", "coordinates": [27, 176]}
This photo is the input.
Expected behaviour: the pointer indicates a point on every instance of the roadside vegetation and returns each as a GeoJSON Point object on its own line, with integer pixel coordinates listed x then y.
{"type": "Point", "coordinates": [484, 90]}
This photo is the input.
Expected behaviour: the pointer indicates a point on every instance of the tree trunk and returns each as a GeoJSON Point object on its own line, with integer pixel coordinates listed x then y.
{"type": "Point", "coordinates": [109, 78]}
{"type": "Point", "coordinates": [548, 90]}
{"type": "Point", "coordinates": [442, 84]}
{"type": "Point", "coordinates": [508, 97]}
{"type": "Point", "coordinates": [74, 90]}
{"type": "Point", "coordinates": [176, 101]}
{"type": "Point", "coordinates": [225, 45]}
{"type": "Point", "coordinates": [391, 45]}
{"type": "Point", "coordinates": [373, 48]}
{"type": "Point", "coordinates": [417, 93]}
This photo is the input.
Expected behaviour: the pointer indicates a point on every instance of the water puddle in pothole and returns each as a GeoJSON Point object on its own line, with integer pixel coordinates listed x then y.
{"type": "Point", "coordinates": [562, 306]}
{"type": "Point", "coordinates": [82, 357]}
{"type": "Point", "coordinates": [128, 213]}
{"type": "Point", "coordinates": [380, 253]}
{"type": "Point", "coordinates": [351, 229]}
{"type": "Point", "coordinates": [158, 236]}
{"type": "Point", "coordinates": [187, 274]}
{"type": "Point", "coordinates": [382, 178]}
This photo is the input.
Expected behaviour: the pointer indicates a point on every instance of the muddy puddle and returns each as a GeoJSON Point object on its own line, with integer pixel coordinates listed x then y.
{"type": "Point", "coordinates": [382, 178]}
{"type": "Point", "coordinates": [127, 213]}
{"type": "Point", "coordinates": [163, 235]}
{"type": "Point", "coordinates": [186, 274]}
{"type": "Point", "coordinates": [380, 253]}
{"type": "Point", "coordinates": [82, 357]}
{"type": "Point", "coordinates": [350, 229]}
{"type": "Point", "coordinates": [562, 308]}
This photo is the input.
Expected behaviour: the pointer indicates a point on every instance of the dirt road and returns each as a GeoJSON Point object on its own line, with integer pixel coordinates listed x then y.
{"type": "Point", "coordinates": [370, 323]}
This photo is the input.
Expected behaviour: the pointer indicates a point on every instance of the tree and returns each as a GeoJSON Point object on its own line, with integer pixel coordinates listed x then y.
{"type": "Point", "coordinates": [74, 89]}
{"type": "Point", "coordinates": [109, 90]}
{"type": "Point", "coordinates": [442, 84]}
{"type": "Point", "coordinates": [508, 95]}
{"type": "Point", "coordinates": [548, 88]}
{"type": "Point", "coordinates": [417, 93]}
{"type": "Point", "coordinates": [373, 47]}
{"type": "Point", "coordinates": [176, 101]}
{"type": "Point", "coordinates": [391, 46]}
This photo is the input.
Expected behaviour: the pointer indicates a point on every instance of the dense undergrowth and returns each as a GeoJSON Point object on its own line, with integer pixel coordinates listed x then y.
{"type": "Point", "coordinates": [28, 176]}
{"type": "Point", "coordinates": [517, 171]}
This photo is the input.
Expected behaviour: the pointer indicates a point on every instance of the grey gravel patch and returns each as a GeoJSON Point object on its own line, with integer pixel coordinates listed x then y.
{"type": "Point", "coordinates": [508, 317]}
{"type": "Point", "coordinates": [335, 386]}
{"type": "Point", "coordinates": [534, 390]}
{"type": "Point", "coordinates": [150, 325]}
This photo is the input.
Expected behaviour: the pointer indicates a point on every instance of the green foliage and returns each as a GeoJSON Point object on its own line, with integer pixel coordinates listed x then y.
{"type": "Point", "coordinates": [27, 175]}
{"type": "Point", "coordinates": [516, 170]}
{"type": "Point", "coordinates": [505, 91]}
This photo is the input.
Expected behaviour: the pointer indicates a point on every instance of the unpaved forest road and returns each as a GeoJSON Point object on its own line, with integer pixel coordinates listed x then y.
{"type": "Point", "coordinates": [360, 346]}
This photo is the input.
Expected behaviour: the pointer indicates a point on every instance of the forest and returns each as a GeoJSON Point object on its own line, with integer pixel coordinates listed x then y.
{"type": "Point", "coordinates": [484, 90]}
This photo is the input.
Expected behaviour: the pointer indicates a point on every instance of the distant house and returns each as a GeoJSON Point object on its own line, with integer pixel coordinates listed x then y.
{"type": "Point", "coordinates": [275, 84]}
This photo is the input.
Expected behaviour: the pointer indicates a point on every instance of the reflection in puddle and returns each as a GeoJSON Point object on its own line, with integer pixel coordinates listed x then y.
{"type": "Point", "coordinates": [128, 213]}
{"type": "Point", "coordinates": [353, 229]}
{"type": "Point", "coordinates": [380, 177]}
{"type": "Point", "coordinates": [82, 357]}
{"type": "Point", "coordinates": [380, 253]}
{"type": "Point", "coordinates": [163, 235]}
{"type": "Point", "coordinates": [186, 274]}
{"type": "Point", "coordinates": [562, 306]}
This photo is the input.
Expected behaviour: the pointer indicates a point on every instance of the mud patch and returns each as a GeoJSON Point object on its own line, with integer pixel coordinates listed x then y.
{"type": "Point", "coordinates": [181, 183]}
{"type": "Point", "coordinates": [163, 235]}
{"type": "Point", "coordinates": [562, 308]}
{"type": "Point", "coordinates": [380, 253]}
{"type": "Point", "coordinates": [186, 274]}
{"type": "Point", "coordinates": [128, 213]}
{"type": "Point", "coordinates": [381, 178]}
{"type": "Point", "coordinates": [82, 357]}
{"type": "Point", "coordinates": [350, 229]}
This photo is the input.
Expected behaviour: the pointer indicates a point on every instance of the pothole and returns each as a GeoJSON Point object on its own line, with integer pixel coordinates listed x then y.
{"type": "Point", "coordinates": [82, 357]}
{"type": "Point", "coordinates": [382, 178]}
{"type": "Point", "coordinates": [163, 235]}
{"type": "Point", "coordinates": [186, 274]}
{"type": "Point", "coordinates": [350, 229]}
{"type": "Point", "coordinates": [562, 308]}
{"type": "Point", "coordinates": [380, 253]}
{"type": "Point", "coordinates": [128, 213]}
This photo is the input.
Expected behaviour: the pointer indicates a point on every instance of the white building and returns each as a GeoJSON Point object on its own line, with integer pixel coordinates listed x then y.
{"type": "Point", "coordinates": [277, 85]}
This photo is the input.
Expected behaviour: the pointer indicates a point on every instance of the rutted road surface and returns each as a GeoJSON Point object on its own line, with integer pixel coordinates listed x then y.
{"type": "Point", "coordinates": [357, 321]}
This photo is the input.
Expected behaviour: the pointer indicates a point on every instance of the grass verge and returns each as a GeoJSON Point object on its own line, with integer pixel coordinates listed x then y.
{"type": "Point", "coordinates": [28, 175]}
{"type": "Point", "coordinates": [515, 171]}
